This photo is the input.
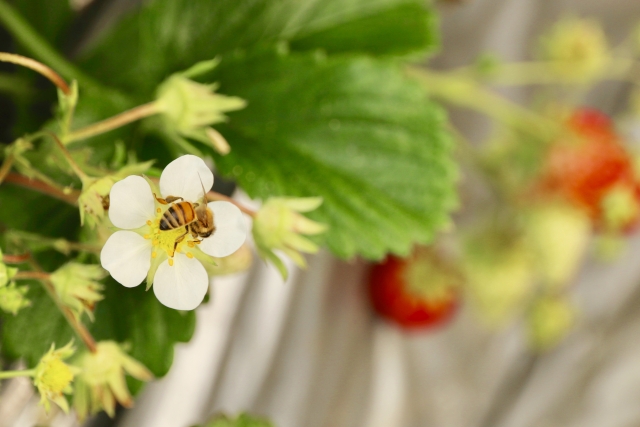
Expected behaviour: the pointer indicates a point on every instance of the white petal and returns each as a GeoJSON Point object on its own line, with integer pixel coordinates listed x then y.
{"type": "Point", "coordinates": [131, 203]}
{"type": "Point", "coordinates": [127, 256]}
{"type": "Point", "coordinates": [181, 286]}
{"type": "Point", "coordinates": [183, 177]}
{"type": "Point", "coordinates": [230, 230]}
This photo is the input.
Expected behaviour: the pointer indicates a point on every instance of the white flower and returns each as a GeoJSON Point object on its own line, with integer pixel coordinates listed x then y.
{"type": "Point", "coordinates": [142, 249]}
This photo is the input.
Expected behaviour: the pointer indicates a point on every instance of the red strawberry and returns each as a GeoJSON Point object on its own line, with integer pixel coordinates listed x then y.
{"type": "Point", "coordinates": [412, 306]}
{"type": "Point", "coordinates": [585, 168]}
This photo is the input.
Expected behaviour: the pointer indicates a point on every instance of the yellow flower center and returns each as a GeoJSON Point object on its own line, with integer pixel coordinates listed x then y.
{"type": "Point", "coordinates": [56, 377]}
{"type": "Point", "coordinates": [165, 240]}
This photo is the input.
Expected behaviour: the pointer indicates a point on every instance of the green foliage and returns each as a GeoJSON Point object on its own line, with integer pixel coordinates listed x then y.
{"type": "Point", "coordinates": [352, 130]}
{"type": "Point", "coordinates": [330, 114]}
{"type": "Point", "coordinates": [170, 35]}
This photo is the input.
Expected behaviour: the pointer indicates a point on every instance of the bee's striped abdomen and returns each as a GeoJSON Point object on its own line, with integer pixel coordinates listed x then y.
{"type": "Point", "coordinates": [178, 215]}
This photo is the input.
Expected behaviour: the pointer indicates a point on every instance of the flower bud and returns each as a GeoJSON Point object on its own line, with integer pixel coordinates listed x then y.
{"type": "Point", "coordinates": [577, 47]}
{"type": "Point", "coordinates": [53, 377]}
{"type": "Point", "coordinates": [278, 225]}
{"type": "Point", "coordinates": [102, 380]}
{"type": "Point", "coordinates": [94, 199]}
{"type": "Point", "coordinates": [13, 298]}
{"type": "Point", "coordinates": [77, 287]}
{"type": "Point", "coordinates": [189, 107]}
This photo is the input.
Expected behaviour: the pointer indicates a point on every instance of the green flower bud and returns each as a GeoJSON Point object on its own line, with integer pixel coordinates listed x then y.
{"type": "Point", "coordinates": [94, 199]}
{"type": "Point", "coordinates": [78, 288]}
{"type": "Point", "coordinates": [53, 377]}
{"type": "Point", "coordinates": [102, 380]}
{"type": "Point", "coordinates": [278, 225]}
{"type": "Point", "coordinates": [13, 298]}
{"type": "Point", "coordinates": [190, 108]}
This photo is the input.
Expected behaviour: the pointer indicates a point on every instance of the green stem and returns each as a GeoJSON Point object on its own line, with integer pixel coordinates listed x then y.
{"type": "Point", "coordinates": [38, 67]}
{"type": "Point", "coordinates": [13, 374]}
{"type": "Point", "coordinates": [112, 123]}
{"type": "Point", "coordinates": [76, 169]}
{"type": "Point", "coordinates": [546, 73]}
{"type": "Point", "coordinates": [36, 45]}
{"type": "Point", "coordinates": [468, 93]}
{"type": "Point", "coordinates": [81, 331]}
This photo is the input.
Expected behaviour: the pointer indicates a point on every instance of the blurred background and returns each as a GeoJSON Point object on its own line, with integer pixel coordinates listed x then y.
{"type": "Point", "coordinates": [324, 349]}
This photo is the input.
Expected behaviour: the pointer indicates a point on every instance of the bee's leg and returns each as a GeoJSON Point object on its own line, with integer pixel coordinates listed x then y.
{"type": "Point", "coordinates": [168, 200]}
{"type": "Point", "coordinates": [178, 240]}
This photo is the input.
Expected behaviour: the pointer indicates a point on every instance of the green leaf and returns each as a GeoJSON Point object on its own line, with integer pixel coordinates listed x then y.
{"type": "Point", "coordinates": [30, 333]}
{"type": "Point", "coordinates": [50, 21]}
{"type": "Point", "coordinates": [356, 132]}
{"type": "Point", "coordinates": [165, 36]}
{"type": "Point", "coordinates": [396, 29]}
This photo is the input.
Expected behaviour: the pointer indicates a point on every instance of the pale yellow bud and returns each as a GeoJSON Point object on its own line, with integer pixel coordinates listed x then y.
{"type": "Point", "coordinates": [278, 225]}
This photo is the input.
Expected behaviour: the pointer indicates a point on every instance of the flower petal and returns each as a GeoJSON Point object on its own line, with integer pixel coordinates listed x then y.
{"type": "Point", "coordinates": [230, 230]}
{"type": "Point", "coordinates": [181, 286]}
{"type": "Point", "coordinates": [185, 177]}
{"type": "Point", "coordinates": [126, 256]}
{"type": "Point", "coordinates": [131, 203]}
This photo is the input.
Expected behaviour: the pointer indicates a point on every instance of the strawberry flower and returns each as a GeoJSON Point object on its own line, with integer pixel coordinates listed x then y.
{"type": "Point", "coordinates": [171, 260]}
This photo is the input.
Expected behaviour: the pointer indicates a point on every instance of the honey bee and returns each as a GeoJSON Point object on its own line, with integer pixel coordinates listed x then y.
{"type": "Point", "coordinates": [197, 218]}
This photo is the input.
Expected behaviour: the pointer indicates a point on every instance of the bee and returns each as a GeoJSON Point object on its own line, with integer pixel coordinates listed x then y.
{"type": "Point", "coordinates": [197, 218]}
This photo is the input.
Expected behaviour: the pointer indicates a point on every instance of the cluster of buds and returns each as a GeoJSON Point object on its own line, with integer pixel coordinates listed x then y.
{"type": "Point", "coordinates": [278, 225]}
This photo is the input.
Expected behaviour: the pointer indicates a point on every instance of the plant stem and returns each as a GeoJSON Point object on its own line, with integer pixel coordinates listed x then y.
{"type": "Point", "coordinates": [61, 245]}
{"type": "Point", "coordinates": [70, 196]}
{"type": "Point", "coordinates": [213, 196]}
{"type": "Point", "coordinates": [81, 331]}
{"type": "Point", "coordinates": [38, 67]}
{"type": "Point", "coordinates": [31, 275]}
{"type": "Point", "coordinates": [546, 73]}
{"type": "Point", "coordinates": [13, 374]}
{"type": "Point", "coordinates": [15, 259]}
{"type": "Point", "coordinates": [112, 123]}
{"type": "Point", "coordinates": [76, 169]}
{"type": "Point", "coordinates": [37, 46]}
{"type": "Point", "coordinates": [466, 92]}
{"type": "Point", "coordinates": [6, 167]}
